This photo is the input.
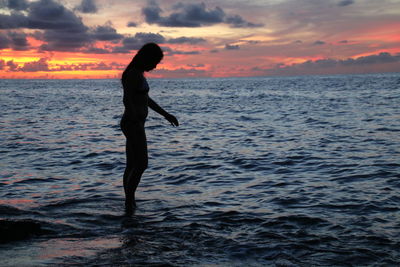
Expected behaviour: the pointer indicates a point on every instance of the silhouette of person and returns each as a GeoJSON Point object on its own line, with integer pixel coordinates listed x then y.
{"type": "Point", "coordinates": [136, 101]}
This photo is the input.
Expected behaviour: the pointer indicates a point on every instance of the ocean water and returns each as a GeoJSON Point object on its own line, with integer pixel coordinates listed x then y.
{"type": "Point", "coordinates": [283, 171]}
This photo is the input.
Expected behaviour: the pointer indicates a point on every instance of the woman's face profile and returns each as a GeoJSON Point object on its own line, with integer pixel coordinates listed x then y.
{"type": "Point", "coordinates": [151, 65]}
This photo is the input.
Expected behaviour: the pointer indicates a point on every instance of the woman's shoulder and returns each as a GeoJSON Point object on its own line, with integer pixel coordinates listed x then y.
{"type": "Point", "coordinates": [135, 82]}
{"type": "Point", "coordinates": [133, 77]}
{"type": "Point", "coordinates": [135, 74]}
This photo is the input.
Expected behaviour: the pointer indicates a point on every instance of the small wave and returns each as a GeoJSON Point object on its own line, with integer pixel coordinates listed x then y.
{"type": "Point", "coordinates": [385, 129]}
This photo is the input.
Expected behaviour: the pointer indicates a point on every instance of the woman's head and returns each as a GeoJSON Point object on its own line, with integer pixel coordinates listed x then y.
{"type": "Point", "coordinates": [147, 57]}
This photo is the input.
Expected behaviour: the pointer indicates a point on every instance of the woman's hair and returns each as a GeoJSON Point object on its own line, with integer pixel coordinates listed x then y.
{"type": "Point", "coordinates": [149, 53]}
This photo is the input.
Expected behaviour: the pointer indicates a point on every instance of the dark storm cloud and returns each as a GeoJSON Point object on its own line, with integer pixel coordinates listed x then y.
{"type": "Point", "coordinates": [231, 47]}
{"type": "Point", "coordinates": [192, 15]}
{"type": "Point", "coordinates": [189, 40]}
{"type": "Point", "coordinates": [13, 21]}
{"type": "Point", "coordinates": [106, 33]}
{"type": "Point", "coordinates": [18, 41]}
{"type": "Point", "coordinates": [47, 14]}
{"type": "Point", "coordinates": [188, 15]}
{"type": "Point", "coordinates": [152, 12]}
{"type": "Point", "coordinates": [63, 30]}
{"type": "Point", "coordinates": [60, 29]}
{"type": "Point", "coordinates": [87, 6]}
{"type": "Point", "coordinates": [17, 4]}
{"type": "Point", "coordinates": [346, 2]}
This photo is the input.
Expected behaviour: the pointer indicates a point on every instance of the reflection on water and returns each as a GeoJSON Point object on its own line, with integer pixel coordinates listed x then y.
{"type": "Point", "coordinates": [262, 171]}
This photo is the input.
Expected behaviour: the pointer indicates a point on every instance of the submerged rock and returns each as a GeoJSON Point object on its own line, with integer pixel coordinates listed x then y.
{"type": "Point", "coordinates": [11, 230]}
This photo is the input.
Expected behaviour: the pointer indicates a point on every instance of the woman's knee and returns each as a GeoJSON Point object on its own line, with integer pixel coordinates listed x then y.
{"type": "Point", "coordinates": [141, 166]}
{"type": "Point", "coordinates": [144, 165]}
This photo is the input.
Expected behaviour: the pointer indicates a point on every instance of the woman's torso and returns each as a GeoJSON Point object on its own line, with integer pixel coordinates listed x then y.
{"type": "Point", "coordinates": [135, 97]}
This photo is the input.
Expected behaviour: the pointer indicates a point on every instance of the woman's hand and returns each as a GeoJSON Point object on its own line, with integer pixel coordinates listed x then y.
{"type": "Point", "coordinates": [172, 119]}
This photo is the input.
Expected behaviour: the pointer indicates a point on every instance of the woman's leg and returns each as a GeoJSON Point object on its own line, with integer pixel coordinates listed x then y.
{"type": "Point", "coordinates": [128, 168]}
{"type": "Point", "coordinates": [136, 164]}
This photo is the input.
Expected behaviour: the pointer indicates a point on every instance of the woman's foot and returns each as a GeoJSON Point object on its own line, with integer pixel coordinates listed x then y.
{"type": "Point", "coordinates": [130, 207]}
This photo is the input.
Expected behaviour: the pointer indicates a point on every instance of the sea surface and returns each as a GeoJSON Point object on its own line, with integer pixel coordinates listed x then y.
{"type": "Point", "coordinates": [282, 171]}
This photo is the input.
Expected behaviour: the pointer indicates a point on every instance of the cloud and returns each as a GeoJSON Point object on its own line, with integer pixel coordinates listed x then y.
{"type": "Point", "coordinates": [87, 6]}
{"type": "Point", "coordinates": [237, 21]}
{"type": "Point", "coordinates": [12, 66]}
{"type": "Point", "coordinates": [4, 41]}
{"type": "Point", "coordinates": [106, 33]}
{"type": "Point", "coordinates": [137, 41]}
{"type": "Point", "coordinates": [102, 66]}
{"type": "Point", "coordinates": [181, 72]}
{"type": "Point", "coordinates": [43, 65]}
{"type": "Point", "coordinates": [13, 21]}
{"type": "Point", "coordinates": [324, 65]}
{"type": "Point", "coordinates": [9, 64]}
{"type": "Point", "coordinates": [346, 2]}
{"type": "Point", "coordinates": [188, 15]}
{"type": "Point", "coordinates": [34, 66]}
{"type": "Point", "coordinates": [383, 57]}
{"type": "Point", "coordinates": [131, 24]}
{"type": "Point", "coordinates": [189, 40]}
{"type": "Point", "coordinates": [319, 42]}
{"type": "Point", "coordinates": [192, 15]}
{"type": "Point", "coordinates": [18, 41]}
{"type": "Point", "coordinates": [232, 47]}
{"type": "Point", "coordinates": [171, 52]}
{"type": "Point", "coordinates": [200, 65]}
{"type": "Point", "coordinates": [18, 4]}
{"type": "Point", "coordinates": [62, 29]}
{"type": "Point", "coordinates": [95, 50]}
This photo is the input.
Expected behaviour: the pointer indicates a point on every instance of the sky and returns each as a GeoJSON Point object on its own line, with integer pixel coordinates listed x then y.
{"type": "Point", "coordinates": [71, 39]}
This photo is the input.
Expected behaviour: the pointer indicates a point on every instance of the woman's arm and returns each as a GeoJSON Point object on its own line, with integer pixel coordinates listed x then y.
{"type": "Point", "coordinates": [171, 118]}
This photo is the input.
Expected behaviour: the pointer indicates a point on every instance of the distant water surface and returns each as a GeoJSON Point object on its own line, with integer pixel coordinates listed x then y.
{"type": "Point", "coordinates": [291, 171]}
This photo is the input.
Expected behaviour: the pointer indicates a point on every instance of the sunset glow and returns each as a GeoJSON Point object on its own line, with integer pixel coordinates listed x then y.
{"type": "Point", "coordinates": [98, 38]}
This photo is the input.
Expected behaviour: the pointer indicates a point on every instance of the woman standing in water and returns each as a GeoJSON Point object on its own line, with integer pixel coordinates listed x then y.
{"type": "Point", "coordinates": [136, 101]}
